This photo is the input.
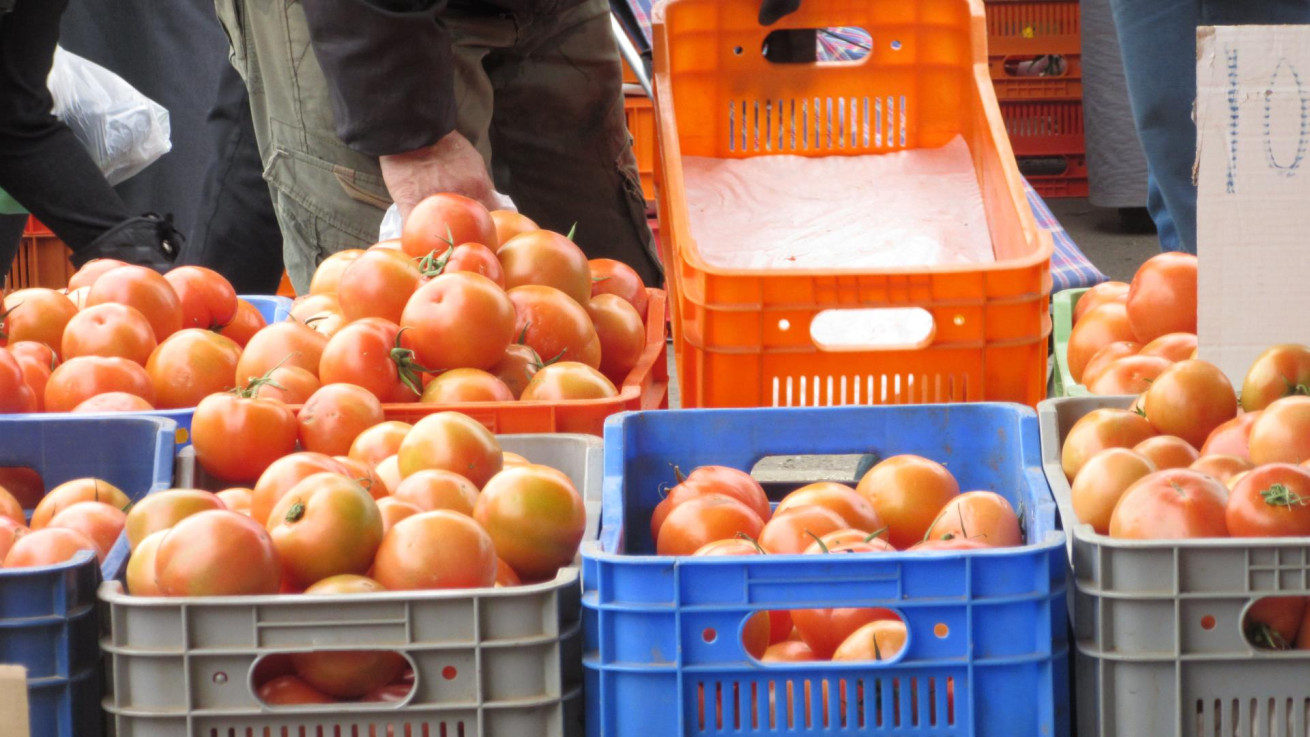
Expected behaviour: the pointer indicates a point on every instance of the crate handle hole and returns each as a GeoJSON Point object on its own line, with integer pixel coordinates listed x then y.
{"type": "Point", "coordinates": [867, 635]}
{"type": "Point", "coordinates": [1041, 65]}
{"type": "Point", "coordinates": [379, 678]}
{"type": "Point", "coordinates": [873, 329]}
{"type": "Point", "coordinates": [854, 44]}
{"type": "Point", "coordinates": [1273, 623]}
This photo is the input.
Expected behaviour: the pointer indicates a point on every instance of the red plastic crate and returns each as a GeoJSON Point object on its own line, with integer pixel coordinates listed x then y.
{"type": "Point", "coordinates": [42, 261]}
{"type": "Point", "coordinates": [647, 387]}
{"type": "Point", "coordinates": [1072, 182]}
{"type": "Point", "coordinates": [1028, 28]}
{"type": "Point", "coordinates": [1067, 85]}
{"type": "Point", "coordinates": [641, 124]}
{"type": "Point", "coordinates": [34, 227]}
{"type": "Point", "coordinates": [1045, 128]}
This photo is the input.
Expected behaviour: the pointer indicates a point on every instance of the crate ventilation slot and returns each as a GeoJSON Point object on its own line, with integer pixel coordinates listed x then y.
{"type": "Point", "coordinates": [817, 124]}
{"type": "Point", "coordinates": [807, 703]}
{"type": "Point", "coordinates": [1253, 717]}
{"type": "Point", "coordinates": [337, 728]}
{"type": "Point", "coordinates": [838, 391]}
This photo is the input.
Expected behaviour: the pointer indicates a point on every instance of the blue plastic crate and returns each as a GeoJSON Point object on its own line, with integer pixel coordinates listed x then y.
{"type": "Point", "coordinates": [663, 654]}
{"type": "Point", "coordinates": [274, 309]}
{"type": "Point", "coordinates": [48, 615]}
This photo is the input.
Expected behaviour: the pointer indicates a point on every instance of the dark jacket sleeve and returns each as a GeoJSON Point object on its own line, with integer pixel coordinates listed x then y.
{"type": "Point", "coordinates": [389, 69]}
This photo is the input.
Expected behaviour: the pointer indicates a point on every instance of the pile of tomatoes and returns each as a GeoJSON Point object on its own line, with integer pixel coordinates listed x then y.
{"type": "Point", "coordinates": [1124, 336]}
{"type": "Point", "coordinates": [467, 306]}
{"type": "Point", "coordinates": [904, 502]}
{"type": "Point", "coordinates": [1189, 460]}
{"type": "Point", "coordinates": [82, 514]}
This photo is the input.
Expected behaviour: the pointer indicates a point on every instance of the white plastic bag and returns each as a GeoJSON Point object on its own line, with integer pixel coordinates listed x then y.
{"type": "Point", "coordinates": [392, 224]}
{"type": "Point", "coordinates": [122, 129]}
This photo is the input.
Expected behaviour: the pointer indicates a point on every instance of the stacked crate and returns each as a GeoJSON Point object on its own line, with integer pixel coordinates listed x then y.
{"type": "Point", "coordinates": [42, 260]}
{"type": "Point", "coordinates": [1036, 65]}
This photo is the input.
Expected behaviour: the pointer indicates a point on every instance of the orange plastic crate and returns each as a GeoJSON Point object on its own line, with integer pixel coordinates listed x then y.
{"type": "Point", "coordinates": [742, 337]}
{"type": "Point", "coordinates": [1071, 182]}
{"type": "Point", "coordinates": [1067, 85]}
{"type": "Point", "coordinates": [42, 261]}
{"type": "Point", "coordinates": [1028, 29]}
{"type": "Point", "coordinates": [641, 124]}
{"type": "Point", "coordinates": [647, 387]}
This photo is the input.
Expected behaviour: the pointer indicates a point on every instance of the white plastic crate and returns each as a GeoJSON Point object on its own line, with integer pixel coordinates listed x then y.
{"type": "Point", "coordinates": [1158, 624]}
{"type": "Point", "coordinates": [487, 663]}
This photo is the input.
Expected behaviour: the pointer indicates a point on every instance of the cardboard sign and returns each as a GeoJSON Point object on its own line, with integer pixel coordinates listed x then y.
{"type": "Point", "coordinates": [13, 701]}
{"type": "Point", "coordinates": [1253, 206]}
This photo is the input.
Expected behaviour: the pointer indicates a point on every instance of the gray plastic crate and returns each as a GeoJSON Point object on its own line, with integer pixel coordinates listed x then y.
{"type": "Point", "coordinates": [487, 663]}
{"type": "Point", "coordinates": [1157, 624]}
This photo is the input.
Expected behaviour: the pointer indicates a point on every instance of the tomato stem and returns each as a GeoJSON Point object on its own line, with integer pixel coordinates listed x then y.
{"type": "Point", "coordinates": [678, 474]}
{"type": "Point", "coordinates": [409, 371]}
{"type": "Point", "coordinates": [296, 512]}
{"type": "Point", "coordinates": [524, 335]}
{"type": "Point", "coordinates": [572, 231]}
{"type": "Point", "coordinates": [822, 545]}
{"type": "Point", "coordinates": [255, 382]}
{"type": "Point", "coordinates": [876, 534]}
{"type": "Point", "coordinates": [433, 265]}
{"type": "Point", "coordinates": [1279, 495]}
{"type": "Point", "coordinates": [752, 541]}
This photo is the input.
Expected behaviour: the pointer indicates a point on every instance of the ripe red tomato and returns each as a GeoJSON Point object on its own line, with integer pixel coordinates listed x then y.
{"type": "Point", "coordinates": [704, 519]}
{"type": "Point", "coordinates": [11, 508]}
{"type": "Point", "coordinates": [36, 314]}
{"type": "Point", "coordinates": [113, 402]}
{"type": "Point", "coordinates": [1108, 354]}
{"type": "Point", "coordinates": [37, 352]}
{"type": "Point", "coordinates": [443, 220]}
{"type": "Point", "coordinates": [91, 270]}
{"type": "Point", "coordinates": [283, 474]}
{"type": "Point", "coordinates": [615, 277]}
{"type": "Point", "coordinates": [310, 306]}
{"type": "Point", "coordinates": [907, 492]}
{"type": "Point", "coordinates": [1232, 437]}
{"type": "Point", "coordinates": [1127, 375]}
{"type": "Point", "coordinates": [207, 297]}
{"type": "Point", "coordinates": [954, 544]}
{"type": "Point", "coordinates": [1110, 291]}
{"type": "Point", "coordinates": [335, 415]}
{"type": "Point", "coordinates": [48, 547]}
{"type": "Point", "coordinates": [436, 550]}
{"type": "Point", "coordinates": [291, 691]}
{"type": "Point", "coordinates": [379, 441]}
{"type": "Point", "coordinates": [544, 258]}
{"type": "Point", "coordinates": [567, 380]}
{"type": "Point", "coordinates": [465, 385]}
{"type": "Point", "coordinates": [792, 531]}
{"type": "Point", "coordinates": [77, 490]}
{"type": "Point", "coordinates": [1170, 505]}
{"type": "Point", "coordinates": [236, 438]}
{"type": "Point", "coordinates": [100, 522]}
{"type": "Point", "coordinates": [1272, 623]}
{"type": "Point", "coordinates": [1162, 297]}
{"type": "Point", "coordinates": [237, 499]}
{"type": "Point", "coordinates": [789, 651]}
{"type": "Point", "coordinates": [217, 553]}
{"type": "Point", "coordinates": [849, 504]}
{"type": "Point", "coordinates": [394, 510]}
{"type": "Point", "coordinates": [1221, 467]}
{"type": "Point", "coordinates": [622, 335]}
{"type": "Point", "coordinates": [348, 674]}
{"type": "Point", "coordinates": [345, 583]}
{"type": "Point", "coordinates": [432, 489]}
{"type": "Point", "coordinates": [1282, 370]}
{"type": "Point", "coordinates": [289, 384]}
{"type": "Point", "coordinates": [850, 540]}
{"type": "Point", "coordinates": [1167, 451]}
{"type": "Point", "coordinates": [375, 354]}
{"type": "Point", "coordinates": [1103, 480]}
{"type": "Point", "coordinates": [190, 365]}
{"type": "Point", "coordinates": [324, 526]}
{"type": "Point", "coordinates": [327, 276]}
{"type": "Point", "coordinates": [978, 515]}
{"type": "Point", "coordinates": [460, 320]}
{"type": "Point", "coordinates": [247, 321]}
{"type": "Point", "coordinates": [1189, 400]}
{"type": "Point", "coordinates": [1172, 347]}
{"type": "Point", "coordinates": [140, 576]}
{"type": "Point", "coordinates": [473, 257]}
{"type": "Point", "coordinates": [144, 289]}
{"type": "Point", "coordinates": [1281, 434]}
{"type": "Point", "coordinates": [556, 327]}
{"type": "Point", "coordinates": [824, 630]}
{"type": "Point", "coordinates": [109, 330]}
{"type": "Point", "coordinates": [162, 510]}
{"type": "Point", "coordinates": [15, 394]}
{"type": "Point", "coordinates": [454, 442]}
{"type": "Point", "coordinates": [1100, 429]}
{"type": "Point", "coordinates": [535, 518]}
{"type": "Point", "coordinates": [364, 475]}
{"type": "Point", "coordinates": [287, 343]}
{"type": "Point", "coordinates": [378, 284]}
{"type": "Point", "coordinates": [517, 367]}
{"type": "Point", "coordinates": [78, 379]}
{"type": "Point", "coordinates": [510, 223]}
{"type": "Point", "coordinates": [706, 480]}
{"type": "Point", "coordinates": [1100, 327]}
{"type": "Point", "coordinates": [1272, 500]}
{"type": "Point", "coordinates": [36, 369]}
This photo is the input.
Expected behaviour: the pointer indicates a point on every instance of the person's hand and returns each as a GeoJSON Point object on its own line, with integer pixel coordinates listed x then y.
{"type": "Point", "coordinates": [772, 10]}
{"type": "Point", "coordinates": [449, 165]}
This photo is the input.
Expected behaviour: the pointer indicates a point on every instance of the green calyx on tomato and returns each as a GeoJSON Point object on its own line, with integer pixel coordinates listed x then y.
{"type": "Point", "coordinates": [410, 370]}
{"type": "Point", "coordinates": [1279, 495]}
{"type": "Point", "coordinates": [433, 265]}
{"type": "Point", "coordinates": [296, 512]}
{"type": "Point", "coordinates": [251, 389]}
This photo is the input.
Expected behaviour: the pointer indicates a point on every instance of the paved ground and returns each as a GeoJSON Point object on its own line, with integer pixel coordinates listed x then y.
{"type": "Point", "coordinates": [1115, 246]}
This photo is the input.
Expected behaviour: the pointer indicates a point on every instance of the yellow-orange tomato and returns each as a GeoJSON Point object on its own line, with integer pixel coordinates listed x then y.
{"type": "Point", "coordinates": [907, 492]}
{"type": "Point", "coordinates": [981, 515]}
{"type": "Point", "coordinates": [1103, 480]}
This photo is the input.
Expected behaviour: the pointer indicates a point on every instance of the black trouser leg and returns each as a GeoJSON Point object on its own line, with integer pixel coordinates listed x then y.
{"type": "Point", "coordinates": [42, 164]}
{"type": "Point", "coordinates": [236, 232]}
{"type": "Point", "coordinates": [11, 237]}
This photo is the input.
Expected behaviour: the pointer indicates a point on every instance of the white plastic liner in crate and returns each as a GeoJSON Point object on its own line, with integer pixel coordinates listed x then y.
{"type": "Point", "coordinates": [1158, 623]}
{"type": "Point", "coordinates": [487, 662]}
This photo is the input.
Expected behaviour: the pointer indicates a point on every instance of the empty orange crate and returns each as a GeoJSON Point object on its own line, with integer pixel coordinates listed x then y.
{"type": "Point", "coordinates": [641, 124]}
{"type": "Point", "coordinates": [646, 387]}
{"type": "Point", "coordinates": [742, 337]}
{"type": "Point", "coordinates": [1029, 29]}
{"type": "Point", "coordinates": [42, 261]}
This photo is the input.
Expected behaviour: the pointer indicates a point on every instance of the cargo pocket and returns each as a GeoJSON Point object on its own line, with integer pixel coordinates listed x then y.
{"type": "Point", "coordinates": [346, 204]}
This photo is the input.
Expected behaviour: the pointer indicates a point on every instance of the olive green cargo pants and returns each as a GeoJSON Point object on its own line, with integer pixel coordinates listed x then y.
{"type": "Point", "coordinates": [540, 98]}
